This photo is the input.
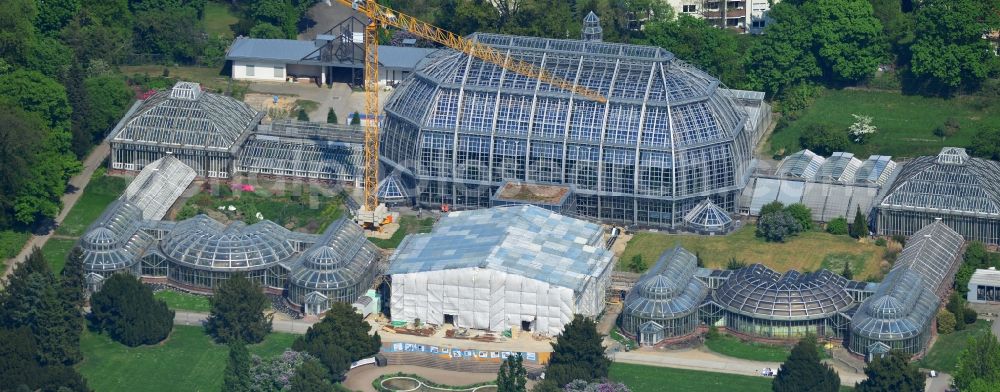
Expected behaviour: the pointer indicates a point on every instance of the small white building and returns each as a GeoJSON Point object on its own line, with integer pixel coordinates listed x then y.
{"type": "Point", "coordinates": [323, 60]}
{"type": "Point", "coordinates": [984, 286]}
{"type": "Point", "coordinates": [518, 267]}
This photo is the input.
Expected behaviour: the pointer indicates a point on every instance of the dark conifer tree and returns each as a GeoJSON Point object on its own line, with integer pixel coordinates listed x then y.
{"type": "Point", "coordinates": [311, 376]}
{"type": "Point", "coordinates": [512, 376]}
{"type": "Point", "coordinates": [803, 372]}
{"type": "Point", "coordinates": [847, 273]}
{"type": "Point", "coordinates": [238, 306]}
{"type": "Point", "coordinates": [237, 377]}
{"type": "Point", "coordinates": [859, 229]}
{"type": "Point", "coordinates": [126, 310]}
{"type": "Point", "coordinates": [577, 354]}
{"type": "Point", "coordinates": [892, 373]}
{"type": "Point", "coordinates": [339, 339]}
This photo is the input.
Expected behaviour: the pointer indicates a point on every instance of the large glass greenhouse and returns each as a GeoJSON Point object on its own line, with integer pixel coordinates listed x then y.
{"type": "Point", "coordinates": [669, 136]}
{"type": "Point", "coordinates": [760, 302]}
{"type": "Point", "coordinates": [963, 192]}
{"type": "Point", "coordinates": [197, 254]}
{"type": "Point", "coordinates": [900, 313]}
{"type": "Point", "coordinates": [664, 303]}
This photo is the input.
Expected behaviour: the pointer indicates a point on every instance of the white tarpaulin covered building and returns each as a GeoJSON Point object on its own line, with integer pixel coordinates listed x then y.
{"type": "Point", "coordinates": [518, 267]}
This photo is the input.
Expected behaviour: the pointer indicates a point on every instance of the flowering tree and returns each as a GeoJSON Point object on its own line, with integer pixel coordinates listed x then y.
{"type": "Point", "coordinates": [275, 374]}
{"type": "Point", "coordinates": [583, 386]}
{"type": "Point", "coordinates": [862, 129]}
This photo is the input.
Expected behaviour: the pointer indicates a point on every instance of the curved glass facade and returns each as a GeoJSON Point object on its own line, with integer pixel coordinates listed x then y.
{"type": "Point", "coordinates": [664, 303]}
{"type": "Point", "coordinates": [338, 268]}
{"type": "Point", "coordinates": [668, 137]}
{"type": "Point", "coordinates": [759, 301]}
{"type": "Point", "coordinates": [961, 191]}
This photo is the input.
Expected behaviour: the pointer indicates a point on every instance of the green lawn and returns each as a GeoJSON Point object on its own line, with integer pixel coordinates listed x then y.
{"type": "Point", "coordinates": [640, 378]}
{"type": "Point", "coordinates": [944, 354]}
{"type": "Point", "coordinates": [807, 251]}
{"type": "Point", "coordinates": [183, 301]}
{"type": "Point", "coordinates": [101, 191]}
{"type": "Point", "coordinates": [187, 361]}
{"type": "Point", "coordinates": [624, 340]}
{"type": "Point", "coordinates": [905, 123]}
{"type": "Point", "coordinates": [407, 225]}
{"type": "Point", "coordinates": [218, 19]}
{"type": "Point", "coordinates": [11, 243]}
{"type": "Point", "coordinates": [56, 250]}
{"type": "Point", "coordinates": [733, 347]}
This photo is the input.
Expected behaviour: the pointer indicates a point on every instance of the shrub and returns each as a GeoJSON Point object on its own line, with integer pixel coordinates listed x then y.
{"type": "Point", "coordinates": [331, 116]}
{"type": "Point", "coordinates": [837, 226]}
{"type": "Point", "coordinates": [945, 322]}
{"type": "Point", "coordinates": [125, 309]}
{"type": "Point", "coordinates": [970, 315]}
{"type": "Point", "coordinates": [823, 140]}
{"type": "Point", "coordinates": [735, 264]}
{"type": "Point", "coordinates": [302, 115]}
{"type": "Point", "coordinates": [777, 226]}
{"type": "Point", "coordinates": [880, 242]}
{"type": "Point", "coordinates": [636, 264]}
{"type": "Point", "coordinates": [802, 214]}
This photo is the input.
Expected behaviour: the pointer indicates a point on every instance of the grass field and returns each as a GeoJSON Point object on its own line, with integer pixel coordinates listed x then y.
{"type": "Point", "coordinates": [407, 225]}
{"type": "Point", "coordinates": [56, 250]}
{"type": "Point", "coordinates": [208, 77]}
{"type": "Point", "coordinates": [905, 123]}
{"type": "Point", "coordinates": [807, 251]}
{"type": "Point", "coordinates": [218, 19]}
{"type": "Point", "coordinates": [101, 191]}
{"type": "Point", "coordinates": [11, 243]}
{"type": "Point", "coordinates": [732, 347]}
{"type": "Point", "coordinates": [187, 361]}
{"type": "Point", "coordinates": [183, 301]}
{"type": "Point", "coordinates": [641, 378]}
{"type": "Point", "coordinates": [944, 354]}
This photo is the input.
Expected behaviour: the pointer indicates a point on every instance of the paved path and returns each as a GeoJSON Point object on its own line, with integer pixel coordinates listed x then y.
{"type": "Point", "coordinates": [288, 326]}
{"type": "Point", "coordinates": [78, 183]}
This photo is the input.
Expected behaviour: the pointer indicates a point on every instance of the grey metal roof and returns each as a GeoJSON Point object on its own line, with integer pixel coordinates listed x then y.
{"type": "Point", "coordinates": [761, 292]}
{"type": "Point", "coordinates": [803, 164]}
{"type": "Point", "coordinates": [950, 183]}
{"type": "Point", "coordinates": [669, 289]}
{"type": "Point", "coordinates": [707, 216]}
{"type": "Point", "coordinates": [158, 186]}
{"type": "Point", "coordinates": [341, 258]}
{"type": "Point", "coordinates": [932, 252]}
{"type": "Point", "coordinates": [204, 243]}
{"type": "Point", "coordinates": [185, 117]}
{"type": "Point", "coordinates": [293, 51]}
{"type": "Point", "coordinates": [523, 240]}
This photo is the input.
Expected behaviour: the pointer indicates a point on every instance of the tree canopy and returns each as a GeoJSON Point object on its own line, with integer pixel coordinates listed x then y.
{"type": "Point", "coordinates": [339, 339]}
{"type": "Point", "coordinates": [892, 372]}
{"type": "Point", "coordinates": [577, 354]}
{"type": "Point", "coordinates": [237, 377]}
{"type": "Point", "coordinates": [948, 48]}
{"type": "Point", "coordinates": [803, 372]}
{"type": "Point", "coordinates": [979, 364]}
{"type": "Point", "coordinates": [512, 377]}
{"type": "Point", "coordinates": [238, 306]}
{"type": "Point", "coordinates": [126, 310]}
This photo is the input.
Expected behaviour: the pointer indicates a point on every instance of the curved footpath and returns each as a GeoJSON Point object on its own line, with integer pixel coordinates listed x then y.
{"type": "Point", "coordinates": [79, 182]}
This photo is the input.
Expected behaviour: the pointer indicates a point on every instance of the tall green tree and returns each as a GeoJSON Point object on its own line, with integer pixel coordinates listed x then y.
{"type": "Point", "coordinates": [979, 364]}
{"type": "Point", "coordinates": [22, 141]}
{"type": "Point", "coordinates": [577, 354]}
{"type": "Point", "coordinates": [339, 339]}
{"type": "Point", "coordinates": [512, 376]}
{"type": "Point", "coordinates": [108, 98]}
{"type": "Point", "coordinates": [986, 144]}
{"type": "Point", "coordinates": [53, 15]}
{"type": "Point", "coordinates": [803, 372]}
{"type": "Point", "coordinates": [237, 377]}
{"type": "Point", "coordinates": [802, 214]}
{"type": "Point", "coordinates": [16, 29]}
{"type": "Point", "coordinates": [847, 273]}
{"type": "Point", "coordinates": [948, 50]}
{"type": "Point", "coordinates": [859, 229]}
{"type": "Point", "coordinates": [847, 38]}
{"type": "Point", "coordinates": [311, 376]}
{"type": "Point", "coordinates": [780, 59]}
{"type": "Point", "coordinates": [894, 372]}
{"type": "Point", "coordinates": [126, 310]}
{"type": "Point", "coordinates": [719, 52]}
{"type": "Point", "coordinates": [238, 306]}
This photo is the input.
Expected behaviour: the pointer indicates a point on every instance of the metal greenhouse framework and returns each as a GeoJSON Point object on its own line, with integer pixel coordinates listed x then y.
{"type": "Point", "coordinates": [963, 192]}
{"type": "Point", "coordinates": [668, 137]}
{"type": "Point", "coordinates": [665, 301]}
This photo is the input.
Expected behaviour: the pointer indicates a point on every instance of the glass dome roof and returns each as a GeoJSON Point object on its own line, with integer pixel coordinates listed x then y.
{"type": "Point", "coordinates": [706, 216]}
{"type": "Point", "coordinates": [761, 292]}
{"type": "Point", "coordinates": [950, 182]}
{"type": "Point", "coordinates": [341, 258]}
{"type": "Point", "coordinates": [669, 289]}
{"type": "Point", "coordinates": [114, 241]}
{"type": "Point", "coordinates": [901, 308]}
{"type": "Point", "coordinates": [204, 243]}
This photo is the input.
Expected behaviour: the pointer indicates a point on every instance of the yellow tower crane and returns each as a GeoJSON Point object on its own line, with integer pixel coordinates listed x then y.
{"type": "Point", "coordinates": [373, 214]}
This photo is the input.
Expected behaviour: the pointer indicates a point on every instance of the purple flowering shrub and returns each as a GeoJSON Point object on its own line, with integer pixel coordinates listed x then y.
{"type": "Point", "coordinates": [274, 374]}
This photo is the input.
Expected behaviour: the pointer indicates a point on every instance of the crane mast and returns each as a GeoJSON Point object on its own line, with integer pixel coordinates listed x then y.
{"type": "Point", "coordinates": [373, 214]}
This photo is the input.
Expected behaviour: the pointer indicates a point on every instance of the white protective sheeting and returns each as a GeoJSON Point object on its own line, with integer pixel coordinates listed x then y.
{"type": "Point", "coordinates": [498, 268]}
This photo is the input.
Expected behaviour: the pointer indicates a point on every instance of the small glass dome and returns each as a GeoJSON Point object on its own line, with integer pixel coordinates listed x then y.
{"type": "Point", "coordinates": [708, 218]}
